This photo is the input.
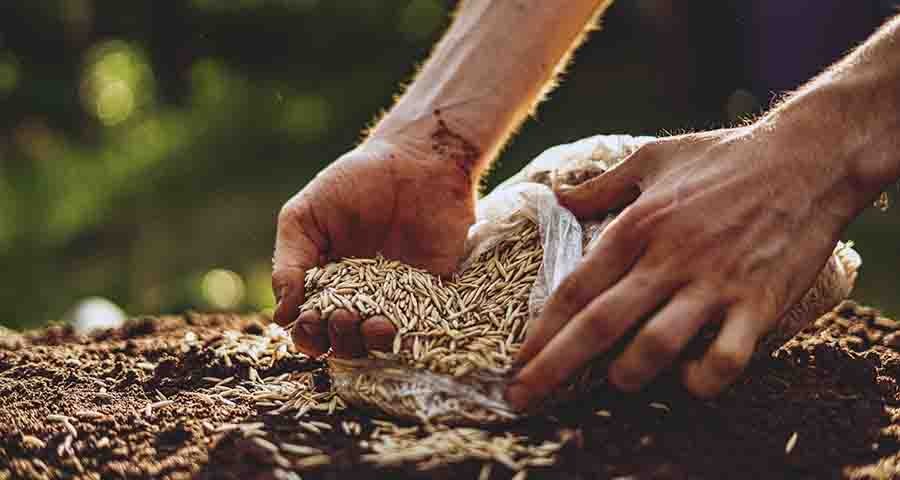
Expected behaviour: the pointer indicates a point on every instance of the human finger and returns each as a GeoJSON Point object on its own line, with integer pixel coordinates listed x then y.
{"type": "Point", "coordinates": [611, 190]}
{"type": "Point", "coordinates": [591, 332]}
{"type": "Point", "coordinates": [662, 339]}
{"type": "Point", "coordinates": [614, 254]}
{"type": "Point", "coordinates": [296, 250]}
{"type": "Point", "coordinates": [345, 334]}
{"type": "Point", "coordinates": [310, 333]}
{"type": "Point", "coordinates": [728, 355]}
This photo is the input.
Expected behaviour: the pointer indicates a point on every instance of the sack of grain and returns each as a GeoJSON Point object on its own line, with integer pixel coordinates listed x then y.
{"type": "Point", "coordinates": [457, 337]}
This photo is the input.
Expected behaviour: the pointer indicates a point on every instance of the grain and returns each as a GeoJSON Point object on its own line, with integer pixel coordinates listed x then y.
{"type": "Point", "coordinates": [438, 446]}
{"type": "Point", "coordinates": [466, 327]}
{"type": "Point", "coordinates": [265, 444]}
{"type": "Point", "coordinates": [430, 314]}
{"type": "Point", "coordinates": [299, 449]}
{"type": "Point", "coordinates": [313, 461]}
{"type": "Point", "coordinates": [65, 447]}
{"type": "Point", "coordinates": [88, 415]}
{"type": "Point", "coordinates": [31, 441]}
{"type": "Point", "coordinates": [65, 421]}
{"type": "Point", "coordinates": [791, 443]}
{"type": "Point", "coordinates": [160, 404]}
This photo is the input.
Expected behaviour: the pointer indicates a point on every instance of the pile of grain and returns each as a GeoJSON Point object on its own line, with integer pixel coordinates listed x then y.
{"type": "Point", "coordinates": [476, 321]}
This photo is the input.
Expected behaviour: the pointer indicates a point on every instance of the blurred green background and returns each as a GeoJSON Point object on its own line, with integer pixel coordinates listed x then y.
{"type": "Point", "coordinates": [146, 146]}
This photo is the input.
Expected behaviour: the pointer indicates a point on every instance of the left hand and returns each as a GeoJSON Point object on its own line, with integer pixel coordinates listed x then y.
{"type": "Point", "coordinates": [729, 226]}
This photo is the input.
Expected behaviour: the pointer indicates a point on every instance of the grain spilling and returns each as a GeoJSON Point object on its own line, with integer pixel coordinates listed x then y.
{"type": "Point", "coordinates": [475, 321]}
{"type": "Point", "coordinates": [457, 338]}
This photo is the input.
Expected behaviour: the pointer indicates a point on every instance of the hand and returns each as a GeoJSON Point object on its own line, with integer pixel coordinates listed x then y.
{"type": "Point", "coordinates": [729, 227]}
{"type": "Point", "coordinates": [406, 202]}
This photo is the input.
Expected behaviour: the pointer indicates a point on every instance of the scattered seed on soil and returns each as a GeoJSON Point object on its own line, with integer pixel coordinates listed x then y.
{"type": "Point", "coordinates": [814, 371]}
{"type": "Point", "coordinates": [160, 404]}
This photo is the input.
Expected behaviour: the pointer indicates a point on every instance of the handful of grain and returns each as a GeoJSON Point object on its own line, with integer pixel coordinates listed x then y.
{"type": "Point", "coordinates": [457, 339]}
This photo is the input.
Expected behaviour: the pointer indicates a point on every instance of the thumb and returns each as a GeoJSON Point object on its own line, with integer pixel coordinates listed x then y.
{"type": "Point", "coordinates": [296, 251]}
{"type": "Point", "coordinates": [611, 190]}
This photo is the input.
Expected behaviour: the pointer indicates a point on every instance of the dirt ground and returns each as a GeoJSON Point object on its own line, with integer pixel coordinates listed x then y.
{"type": "Point", "coordinates": [160, 399]}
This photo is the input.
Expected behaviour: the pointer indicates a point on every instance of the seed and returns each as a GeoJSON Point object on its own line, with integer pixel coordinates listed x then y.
{"type": "Point", "coordinates": [310, 427]}
{"type": "Point", "coordinates": [791, 443]}
{"type": "Point", "coordinates": [660, 406]}
{"type": "Point", "coordinates": [485, 472]}
{"type": "Point", "coordinates": [265, 444]}
{"type": "Point", "coordinates": [299, 449]}
{"type": "Point", "coordinates": [65, 446]}
{"type": "Point", "coordinates": [281, 461]}
{"type": "Point", "coordinates": [33, 442]}
{"type": "Point", "coordinates": [65, 422]}
{"type": "Point", "coordinates": [58, 418]}
{"type": "Point", "coordinates": [160, 404]}
{"type": "Point", "coordinates": [224, 381]}
{"type": "Point", "coordinates": [313, 461]}
{"type": "Point", "coordinates": [322, 425]}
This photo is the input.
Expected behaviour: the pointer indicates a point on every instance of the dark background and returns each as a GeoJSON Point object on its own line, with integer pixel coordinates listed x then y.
{"type": "Point", "coordinates": [146, 146]}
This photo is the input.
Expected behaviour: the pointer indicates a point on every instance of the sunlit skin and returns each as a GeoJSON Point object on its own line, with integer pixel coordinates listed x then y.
{"type": "Point", "coordinates": [725, 227]}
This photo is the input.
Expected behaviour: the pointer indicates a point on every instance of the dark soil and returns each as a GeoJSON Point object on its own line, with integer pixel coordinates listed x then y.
{"type": "Point", "coordinates": [834, 385]}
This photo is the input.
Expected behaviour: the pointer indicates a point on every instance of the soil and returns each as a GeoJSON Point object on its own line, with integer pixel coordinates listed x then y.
{"type": "Point", "coordinates": [834, 386]}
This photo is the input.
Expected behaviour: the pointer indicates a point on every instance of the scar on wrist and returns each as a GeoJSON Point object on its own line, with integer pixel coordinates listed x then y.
{"type": "Point", "coordinates": [453, 146]}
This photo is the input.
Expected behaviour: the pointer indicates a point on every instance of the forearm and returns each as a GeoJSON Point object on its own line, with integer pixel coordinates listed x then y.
{"type": "Point", "coordinates": [852, 111]}
{"type": "Point", "coordinates": [487, 73]}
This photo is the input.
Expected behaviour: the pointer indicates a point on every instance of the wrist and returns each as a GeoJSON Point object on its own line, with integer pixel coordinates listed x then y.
{"type": "Point", "coordinates": [433, 136]}
{"type": "Point", "coordinates": [841, 136]}
{"type": "Point", "coordinates": [420, 159]}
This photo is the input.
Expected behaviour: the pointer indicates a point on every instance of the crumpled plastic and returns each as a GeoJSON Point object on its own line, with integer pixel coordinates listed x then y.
{"type": "Point", "coordinates": [426, 396]}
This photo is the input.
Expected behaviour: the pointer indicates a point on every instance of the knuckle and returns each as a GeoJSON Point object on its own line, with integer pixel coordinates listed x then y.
{"type": "Point", "coordinates": [572, 292]}
{"type": "Point", "coordinates": [601, 329]}
{"type": "Point", "coordinates": [288, 212]}
{"type": "Point", "coordinates": [659, 343]}
{"type": "Point", "coordinates": [727, 364]}
{"type": "Point", "coordinates": [646, 152]}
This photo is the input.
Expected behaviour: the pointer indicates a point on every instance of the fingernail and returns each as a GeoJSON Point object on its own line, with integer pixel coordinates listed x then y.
{"type": "Point", "coordinates": [517, 395]}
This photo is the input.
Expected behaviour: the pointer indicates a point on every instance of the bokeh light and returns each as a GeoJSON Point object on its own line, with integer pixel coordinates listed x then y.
{"type": "Point", "coordinates": [209, 82]}
{"type": "Point", "coordinates": [95, 313]}
{"type": "Point", "coordinates": [9, 73]}
{"type": "Point", "coordinates": [306, 116]}
{"type": "Point", "coordinates": [117, 82]}
{"type": "Point", "coordinates": [259, 286]}
{"type": "Point", "coordinates": [223, 289]}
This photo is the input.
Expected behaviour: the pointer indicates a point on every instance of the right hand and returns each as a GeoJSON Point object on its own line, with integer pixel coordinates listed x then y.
{"type": "Point", "coordinates": [407, 202]}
